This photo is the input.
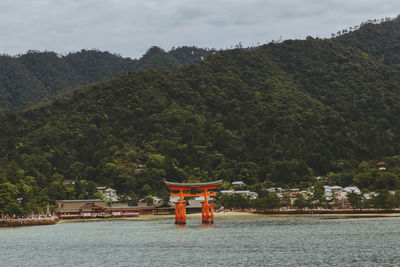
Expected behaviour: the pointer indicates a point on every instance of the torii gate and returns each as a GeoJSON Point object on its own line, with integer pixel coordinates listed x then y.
{"type": "Point", "coordinates": [207, 209]}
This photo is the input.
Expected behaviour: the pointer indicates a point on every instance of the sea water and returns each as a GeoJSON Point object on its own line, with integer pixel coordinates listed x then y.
{"type": "Point", "coordinates": [239, 241]}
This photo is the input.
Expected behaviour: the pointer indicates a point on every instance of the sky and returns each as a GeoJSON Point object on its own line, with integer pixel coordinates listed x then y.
{"type": "Point", "coordinates": [130, 27]}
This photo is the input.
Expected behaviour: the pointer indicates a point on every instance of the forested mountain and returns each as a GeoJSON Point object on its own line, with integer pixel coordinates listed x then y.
{"type": "Point", "coordinates": [28, 79]}
{"type": "Point", "coordinates": [279, 114]}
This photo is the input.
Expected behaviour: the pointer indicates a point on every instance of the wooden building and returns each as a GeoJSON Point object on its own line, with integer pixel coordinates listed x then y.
{"type": "Point", "coordinates": [93, 208]}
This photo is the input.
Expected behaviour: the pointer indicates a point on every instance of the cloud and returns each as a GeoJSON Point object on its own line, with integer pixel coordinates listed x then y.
{"type": "Point", "coordinates": [131, 27]}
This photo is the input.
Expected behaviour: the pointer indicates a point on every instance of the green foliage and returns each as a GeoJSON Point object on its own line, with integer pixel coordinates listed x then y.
{"type": "Point", "coordinates": [31, 78]}
{"type": "Point", "coordinates": [384, 200]}
{"type": "Point", "coordinates": [277, 114]}
{"type": "Point", "coordinates": [8, 199]}
{"type": "Point", "coordinates": [318, 194]}
{"type": "Point", "coordinates": [355, 200]}
{"type": "Point", "coordinates": [301, 202]}
{"type": "Point", "coordinates": [149, 200]}
{"type": "Point", "coordinates": [237, 201]}
{"type": "Point", "coordinates": [268, 202]}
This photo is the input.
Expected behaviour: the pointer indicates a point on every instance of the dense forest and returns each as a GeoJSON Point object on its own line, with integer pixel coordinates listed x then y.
{"type": "Point", "coordinates": [29, 79]}
{"type": "Point", "coordinates": [275, 115]}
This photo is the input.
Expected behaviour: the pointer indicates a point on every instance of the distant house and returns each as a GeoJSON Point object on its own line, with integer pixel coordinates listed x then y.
{"type": "Point", "coordinates": [370, 195]}
{"type": "Point", "coordinates": [140, 167]}
{"type": "Point", "coordinates": [174, 199]}
{"type": "Point", "coordinates": [275, 189]}
{"type": "Point", "coordinates": [295, 191]}
{"type": "Point", "coordinates": [157, 201]}
{"type": "Point", "coordinates": [332, 189]}
{"type": "Point", "coordinates": [69, 182]}
{"type": "Point", "coordinates": [381, 166]}
{"type": "Point", "coordinates": [353, 189]}
{"type": "Point", "coordinates": [238, 184]}
{"type": "Point", "coordinates": [109, 193]}
{"type": "Point", "coordinates": [247, 193]}
{"type": "Point", "coordinates": [227, 192]}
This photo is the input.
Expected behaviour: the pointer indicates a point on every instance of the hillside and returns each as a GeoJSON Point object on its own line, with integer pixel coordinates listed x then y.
{"type": "Point", "coordinates": [28, 79]}
{"type": "Point", "coordinates": [279, 114]}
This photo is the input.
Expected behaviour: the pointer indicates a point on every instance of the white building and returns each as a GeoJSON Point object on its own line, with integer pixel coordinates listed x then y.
{"type": "Point", "coordinates": [247, 193]}
{"type": "Point", "coordinates": [238, 184]}
{"type": "Point", "coordinates": [109, 193]}
{"type": "Point", "coordinates": [350, 189]}
{"type": "Point", "coordinates": [157, 200]}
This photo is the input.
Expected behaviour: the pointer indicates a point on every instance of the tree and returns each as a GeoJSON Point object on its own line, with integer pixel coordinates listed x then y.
{"type": "Point", "coordinates": [8, 199]}
{"type": "Point", "coordinates": [237, 201]}
{"type": "Point", "coordinates": [268, 201]}
{"type": "Point", "coordinates": [318, 194]}
{"type": "Point", "coordinates": [149, 200]}
{"type": "Point", "coordinates": [384, 200]}
{"type": "Point", "coordinates": [300, 202]}
{"type": "Point", "coordinates": [354, 199]}
{"type": "Point", "coordinates": [146, 189]}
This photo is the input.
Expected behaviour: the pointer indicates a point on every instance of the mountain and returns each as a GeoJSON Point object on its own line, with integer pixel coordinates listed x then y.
{"type": "Point", "coordinates": [28, 79]}
{"type": "Point", "coordinates": [280, 114]}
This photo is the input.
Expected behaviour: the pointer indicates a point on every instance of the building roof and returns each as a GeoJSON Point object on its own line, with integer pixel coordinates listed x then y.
{"type": "Point", "coordinates": [80, 200]}
{"type": "Point", "coordinates": [68, 182]}
{"type": "Point", "coordinates": [354, 189]}
{"type": "Point", "coordinates": [123, 208]}
{"type": "Point", "coordinates": [336, 187]}
{"type": "Point", "coordinates": [69, 209]}
{"type": "Point", "coordinates": [227, 191]}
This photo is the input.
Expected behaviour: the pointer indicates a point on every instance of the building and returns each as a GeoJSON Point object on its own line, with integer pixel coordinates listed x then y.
{"type": "Point", "coordinates": [238, 184]}
{"type": "Point", "coordinates": [69, 182]}
{"type": "Point", "coordinates": [140, 167]}
{"type": "Point", "coordinates": [246, 193]}
{"type": "Point", "coordinates": [109, 193]}
{"type": "Point", "coordinates": [353, 189]}
{"type": "Point", "coordinates": [93, 208]}
{"type": "Point", "coordinates": [275, 189]}
{"type": "Point", "coordinates": [381, 166]}
{"type": "Point", "coordinates": [157, 201]}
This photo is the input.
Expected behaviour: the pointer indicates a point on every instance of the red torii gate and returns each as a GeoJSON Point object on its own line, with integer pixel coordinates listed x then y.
{"type": "Point", "coordinates": [207, 209]}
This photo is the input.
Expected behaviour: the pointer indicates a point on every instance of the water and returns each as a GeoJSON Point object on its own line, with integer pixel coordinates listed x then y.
{"type": "Point", "coordinates": [241, 241]}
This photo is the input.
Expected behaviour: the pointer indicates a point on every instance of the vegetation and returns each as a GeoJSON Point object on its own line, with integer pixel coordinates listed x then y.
{"type": "Point", "coordinates": [280, 114]}
{"type": "Point", "coordinates": [31, 78]}
{"type": "Point", "coordinates": [383, 199]}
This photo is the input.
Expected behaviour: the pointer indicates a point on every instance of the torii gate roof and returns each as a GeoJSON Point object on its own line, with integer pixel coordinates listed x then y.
{"type": "Point", "coordinates": [209, 185]}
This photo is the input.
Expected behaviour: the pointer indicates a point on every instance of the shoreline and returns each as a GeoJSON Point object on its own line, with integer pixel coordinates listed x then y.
{"type": "Point", "coordinates": [235, 214]}
{"type": "Point", "coordinates": [28, 222]}
{"type": "Point", "coordinates": [332, 214]}
{"type": "Point", "coordinates": [152, 217]}
{"type": "Point", "coordinates": [217, 215]}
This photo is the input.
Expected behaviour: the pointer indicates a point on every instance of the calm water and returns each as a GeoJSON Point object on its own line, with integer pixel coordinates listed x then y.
{"type": "Point", "coordinates": [254, 241]}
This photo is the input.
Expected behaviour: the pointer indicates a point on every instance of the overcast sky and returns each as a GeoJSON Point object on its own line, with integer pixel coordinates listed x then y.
{"type": "Point", "coordinates": [130, 27]}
